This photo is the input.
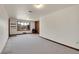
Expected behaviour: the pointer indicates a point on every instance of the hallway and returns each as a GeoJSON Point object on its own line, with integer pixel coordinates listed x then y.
{"type": "Point", "coordinates": [33, 44]}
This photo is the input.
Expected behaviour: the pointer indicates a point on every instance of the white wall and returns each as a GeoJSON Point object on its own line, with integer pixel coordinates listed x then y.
{"type": "Point", "coordinates": [62, 26]}
{"type": "Point", "coordinates": [3, 27]}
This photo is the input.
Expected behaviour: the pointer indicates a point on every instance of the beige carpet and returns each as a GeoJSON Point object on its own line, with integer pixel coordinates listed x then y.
{"type": "Point", "coordinates": [33, 44]}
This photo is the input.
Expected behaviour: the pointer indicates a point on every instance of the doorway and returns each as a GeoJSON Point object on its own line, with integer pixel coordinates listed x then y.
{"type": "Point", "coordinates": [37, 26]}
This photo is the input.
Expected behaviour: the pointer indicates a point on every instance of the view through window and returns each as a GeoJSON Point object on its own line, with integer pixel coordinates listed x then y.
{"type": "Point", "coordinates": [23, 25]}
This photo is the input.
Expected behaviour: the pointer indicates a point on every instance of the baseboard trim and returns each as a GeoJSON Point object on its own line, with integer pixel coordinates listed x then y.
{"type": "Point", "coordinates": [21, 34]}
{"type": "Point", "coordinates": [60, 43]}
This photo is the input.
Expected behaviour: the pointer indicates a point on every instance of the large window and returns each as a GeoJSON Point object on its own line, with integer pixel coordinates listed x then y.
{"type": "Point", "coordinates": [23, 25]}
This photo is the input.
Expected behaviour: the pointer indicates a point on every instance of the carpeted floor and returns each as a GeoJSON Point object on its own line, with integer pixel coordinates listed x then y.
{"type": "Point", "coordinates": [33, 44]}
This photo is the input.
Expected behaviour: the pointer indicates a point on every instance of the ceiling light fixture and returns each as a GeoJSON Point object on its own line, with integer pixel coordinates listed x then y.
{"type": "Point", "coordinates": [22, 23]}
{"type": "Point", "coordinates": [38, 5]}
{"type": "Point", "coordinates": [19, 23]}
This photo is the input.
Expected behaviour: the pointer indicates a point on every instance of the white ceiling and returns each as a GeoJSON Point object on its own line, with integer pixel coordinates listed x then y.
{"type": "Point", "coordinates": [19, 11]}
